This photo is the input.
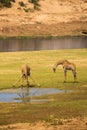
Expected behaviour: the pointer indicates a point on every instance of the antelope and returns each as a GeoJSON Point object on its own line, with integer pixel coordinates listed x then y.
{"type": "Point", "coordinates": [66, 66]}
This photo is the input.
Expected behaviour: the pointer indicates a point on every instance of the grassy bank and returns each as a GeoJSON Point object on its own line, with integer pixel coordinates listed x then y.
{"type": "Point", "coordinates": [64, 105]}
{"type": "Point", "coordinates": [41, 63]}
{"type": "Point", "coordinates": [42, 36]}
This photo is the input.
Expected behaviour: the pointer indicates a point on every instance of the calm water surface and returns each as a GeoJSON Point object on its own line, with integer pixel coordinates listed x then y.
{"type": "Point", "coordinates": [32, 44]}
{"type": "Point", "coordinates": [20, 95]}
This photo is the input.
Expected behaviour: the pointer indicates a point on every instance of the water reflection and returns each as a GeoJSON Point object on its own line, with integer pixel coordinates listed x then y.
{"type": "Point", "coordinates": [14, 44]}
{"type": "Point", "coordinates": [25, 94]}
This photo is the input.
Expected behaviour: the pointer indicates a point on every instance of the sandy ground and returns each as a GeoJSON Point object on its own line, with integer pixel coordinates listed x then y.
{"type": "Point", "coordinates": [67, 124]}
{"type": "Point", "coordinates": [57, 17]}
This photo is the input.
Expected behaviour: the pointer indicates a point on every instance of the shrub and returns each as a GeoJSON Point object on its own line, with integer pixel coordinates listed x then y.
{"type": "Point", "coordinates": [26, 9]}
{"type": "Point", "coordinates": [36, 4]}
{"type": "Point", "coordinates": [21, 3]}
{"type": "Point", "coordinates": [6, 3]}
{"type": "Point", "coordinates": [12, 0]}
{"type": "Point", "coordinates": [1, 5]}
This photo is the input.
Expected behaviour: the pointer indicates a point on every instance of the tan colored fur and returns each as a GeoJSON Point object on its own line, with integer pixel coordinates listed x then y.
{"type": "Point", "coordinates": [66, 66]}
{"type": "Point", "coordinates": [25, 72]}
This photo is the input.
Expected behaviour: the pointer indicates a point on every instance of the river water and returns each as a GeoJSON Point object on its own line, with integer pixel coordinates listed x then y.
{"type": "Point", "coordinates": [26, 94]}
{"type": "Point", "coordinates": [33, 44]}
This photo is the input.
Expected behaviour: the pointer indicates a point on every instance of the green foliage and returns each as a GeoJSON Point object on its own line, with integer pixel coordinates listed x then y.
{"type": "Point", "coordinates": [12, 0]}
{"type": "Point", "coordinates": [33, 1]}
{"type": "Point", "coordinates": [36, 4]}
{"type": "Point", "coordinates": [21, 3]}
{"type": "Point", "coordinates": [26, 9]}
{"type": "Point", "coordinates": [1, 5]}
{"type": "Point", "coordinates": [6, 3]}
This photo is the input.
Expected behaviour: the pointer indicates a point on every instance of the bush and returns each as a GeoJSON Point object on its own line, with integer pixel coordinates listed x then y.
{"type": "Point", "coordinates": [36, 4]}
{"type": "Point", "coordinates": [1, 5]}
{"type": "Point", "coordinates": [21, 3]}
{"type": "Point", "coordinates": [26, 9]}
{"type": "Point", "coordinates": [33, 1]}
{"type": "Point", "coordinates": [12, 0]}
{"type": "Point", "coordinates": [6, 3]}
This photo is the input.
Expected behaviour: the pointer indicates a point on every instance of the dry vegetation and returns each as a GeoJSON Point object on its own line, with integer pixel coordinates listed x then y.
{"type": "Point", "coordinates": [67, 124]}
{"type": "Point", "coordinates": [57, 17]}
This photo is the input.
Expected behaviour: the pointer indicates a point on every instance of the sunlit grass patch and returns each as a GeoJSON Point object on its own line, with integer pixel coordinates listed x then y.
{"type": "Point", "coordinates": [41, 63]}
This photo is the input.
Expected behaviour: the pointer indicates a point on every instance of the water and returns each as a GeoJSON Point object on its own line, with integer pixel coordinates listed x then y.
{"type": "Point", "coordinates": [25, 94]}
{"type": "Point", "coordinates": [32, 44]}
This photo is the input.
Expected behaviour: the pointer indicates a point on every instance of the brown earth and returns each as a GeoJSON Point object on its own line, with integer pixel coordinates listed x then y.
{"type": "Point", "coordinates": [56, 18]}
{"type": "Point", "coordinates": [67, 124]}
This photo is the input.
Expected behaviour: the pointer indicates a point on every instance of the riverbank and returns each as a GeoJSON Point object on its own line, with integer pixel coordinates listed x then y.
{"type": "Point", "coordinates": [38, 30]}
{"type": "Point", "coordinates": [62, 124]}
{"type": "Point", "coordinates": [55, 18]}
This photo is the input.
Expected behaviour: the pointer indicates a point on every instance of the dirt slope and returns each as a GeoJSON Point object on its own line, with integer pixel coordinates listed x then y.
{"type": "Point", "coordinates": [57, 17]}
{"type": "Point", "coordinates": [67, 124]}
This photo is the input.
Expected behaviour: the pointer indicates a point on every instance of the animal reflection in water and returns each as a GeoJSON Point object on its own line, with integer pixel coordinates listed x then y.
{"type": "Point", "coordinates": [66, 66]}
{"type": "Point", "coordinates": [25, 73]}
{"type": "Point", "coordinates": [24, 94]}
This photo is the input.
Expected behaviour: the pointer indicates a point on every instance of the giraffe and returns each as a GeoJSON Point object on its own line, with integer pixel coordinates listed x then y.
{"type": "Point", "coordinates": [66, 66]}
{"type": "Point", "coordinates": [25, 73]}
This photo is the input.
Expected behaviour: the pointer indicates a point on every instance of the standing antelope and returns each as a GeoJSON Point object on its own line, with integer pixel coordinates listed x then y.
{"type": "Point", "coordinates": [66, 66]}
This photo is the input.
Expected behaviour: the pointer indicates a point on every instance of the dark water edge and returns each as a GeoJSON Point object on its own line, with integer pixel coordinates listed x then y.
{"type": "Point", "coordinates": [12, 44]}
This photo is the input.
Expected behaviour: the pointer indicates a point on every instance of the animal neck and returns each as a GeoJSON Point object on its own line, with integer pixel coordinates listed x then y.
{"type": "Point", "coordinates": [58, 63]}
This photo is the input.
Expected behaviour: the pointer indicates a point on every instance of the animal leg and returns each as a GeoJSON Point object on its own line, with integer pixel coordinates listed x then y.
{"type": "Point", "coordinates": [34, 81]}
{"type": "Point", "coordinates": [23, 79]}
{"type": "Point", "coordinates": [74, 75]}
{"type": "Point", "coordinates": [18, 80]}
{"type": "Point", "coordinates": [65, 75]}
{"type": "Point", "coordinates": [27, 81]}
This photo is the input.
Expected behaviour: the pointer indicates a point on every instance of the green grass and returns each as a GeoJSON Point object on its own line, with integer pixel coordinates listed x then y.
{"type": "Point", "coordinates": [64, 105]}
{"type": "Point", "coordinates": [41, 63]}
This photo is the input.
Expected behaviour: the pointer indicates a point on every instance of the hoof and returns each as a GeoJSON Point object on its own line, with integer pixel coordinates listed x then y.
{"type": "Point", "coordinates": [64, 81]}
{"type": "Point", "coordinates": [13, 86]}
{"type": "Point", "coordinates": [28, 85]}
{"type": "Point", "coordinates": [75, 81]}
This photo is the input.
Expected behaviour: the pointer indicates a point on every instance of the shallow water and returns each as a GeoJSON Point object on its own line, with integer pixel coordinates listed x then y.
{"type": "Point", "coordinates": [25, 94]}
